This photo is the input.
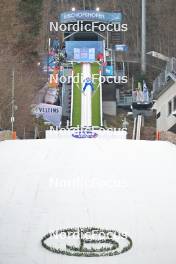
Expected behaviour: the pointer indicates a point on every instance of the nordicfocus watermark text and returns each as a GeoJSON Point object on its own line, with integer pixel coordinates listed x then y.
{"type": "Point", "coordinates": [76, 79]}
{"type": "Point", "coordinates": [94, 234]}
{"type": "Point", "coordinates": [81, 26]}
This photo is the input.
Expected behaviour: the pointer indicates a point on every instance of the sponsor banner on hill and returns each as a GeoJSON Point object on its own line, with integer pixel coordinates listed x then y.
{"type": "Point", "coordinates": [50, 113]}
{"type": "Point", "coordinates": [108, 71]}
{"type": "Point", "coordinates": [90, 15]}
{"type": "Point", "coordinates": [121, 48]}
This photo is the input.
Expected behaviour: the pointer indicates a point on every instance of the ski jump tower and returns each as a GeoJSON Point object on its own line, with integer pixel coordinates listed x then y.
{"type": "Point", "coordinates": [87, 61]}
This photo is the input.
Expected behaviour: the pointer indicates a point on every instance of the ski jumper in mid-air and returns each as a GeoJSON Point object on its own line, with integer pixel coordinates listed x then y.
{"type": "Point", "coordinates": [88, 82]}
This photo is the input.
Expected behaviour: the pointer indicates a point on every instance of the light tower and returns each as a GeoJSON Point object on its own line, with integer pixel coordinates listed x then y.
{"type": "Point", "coordinates": [84, 5]}
{"type": "Point", "coordinates": [143, 38]}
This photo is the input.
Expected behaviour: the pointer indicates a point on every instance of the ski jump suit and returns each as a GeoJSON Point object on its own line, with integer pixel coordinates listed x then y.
{"type": "Point", "coordinates": [88, 82]}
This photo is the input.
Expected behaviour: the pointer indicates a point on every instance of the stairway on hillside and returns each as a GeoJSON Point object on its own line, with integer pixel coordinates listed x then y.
{"type": "Point", "coordinates": [116, 38]}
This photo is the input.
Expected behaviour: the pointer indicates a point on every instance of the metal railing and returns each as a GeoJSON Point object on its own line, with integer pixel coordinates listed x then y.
{"type": "Point", "coordinates": [137, 127]}
{"type": "Point", "coordinates": [125, 101]}
{"type": "Point", "coordinates": [128, 100]}
{"type": "Point", "coordinates": [171, 66]}
{"type": "Point", "coordinates": [141, 98]}
{"type": "Point", "coordinates": [160, 82]}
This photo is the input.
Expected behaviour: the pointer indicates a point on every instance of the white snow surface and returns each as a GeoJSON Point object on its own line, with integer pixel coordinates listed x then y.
{"type": "Point", "coordinates": [124, 185]}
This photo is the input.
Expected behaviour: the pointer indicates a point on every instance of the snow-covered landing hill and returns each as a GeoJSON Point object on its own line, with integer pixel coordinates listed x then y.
{"type": "Point", "coordinates": [128, 186]}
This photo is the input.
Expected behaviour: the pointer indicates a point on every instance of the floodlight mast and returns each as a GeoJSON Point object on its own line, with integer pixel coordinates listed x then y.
{"type": "Point", "coordinates": [143, 38]}
{"type": "Point", "coordinates": [84, 5]}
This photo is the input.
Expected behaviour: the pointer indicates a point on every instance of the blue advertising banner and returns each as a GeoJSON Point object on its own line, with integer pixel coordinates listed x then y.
{"type": "Point", "coordinates": [83, 51]}
{"type": "Point", "coordinates": [121, 48]}
{"type": "Point", "coordinates": [107, 71]}
{"type": "Point", "coordinates": [91, 15]}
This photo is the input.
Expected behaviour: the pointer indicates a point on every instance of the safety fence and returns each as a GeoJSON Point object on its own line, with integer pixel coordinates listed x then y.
{"type": "Point", "coordinates": [161, 81]}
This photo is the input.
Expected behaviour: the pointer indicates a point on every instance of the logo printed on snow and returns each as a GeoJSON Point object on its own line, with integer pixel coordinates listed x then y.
{"type": "Point", "coordinates": [84, 134]}
{"type": "Point", "coordinates": [87, 242]}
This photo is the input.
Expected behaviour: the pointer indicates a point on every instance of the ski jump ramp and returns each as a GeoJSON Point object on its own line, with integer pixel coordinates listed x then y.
{"type": "Point", "coordinates": [86, 98]}
{"type": "Point", "coordinates": [86, 108]}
